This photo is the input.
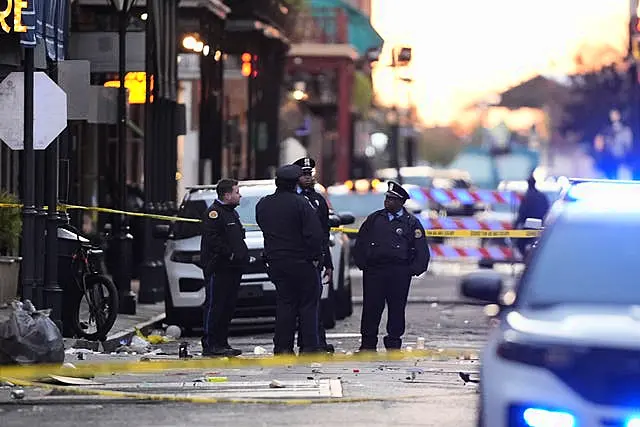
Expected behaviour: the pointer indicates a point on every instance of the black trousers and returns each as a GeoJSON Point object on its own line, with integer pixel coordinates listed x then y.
{"type": "Point", "coordinates": [297, 298]}
{"type": "Point", "coordinates": [219, 305]}
{"type": "Point", "coordinates": [322, 333]}
{"type": "Point", "coordinates": [385, 284]}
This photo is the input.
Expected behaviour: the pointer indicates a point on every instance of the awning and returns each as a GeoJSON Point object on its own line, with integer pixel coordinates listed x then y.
{"type": "Point", "coordinates": [362, 35]}
{"type": "Point", "coordinates": [46, 21]}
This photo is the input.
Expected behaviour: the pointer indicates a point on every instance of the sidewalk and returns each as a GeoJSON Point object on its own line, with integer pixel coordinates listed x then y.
{"type": "Point", "coordinates": [147, 315]}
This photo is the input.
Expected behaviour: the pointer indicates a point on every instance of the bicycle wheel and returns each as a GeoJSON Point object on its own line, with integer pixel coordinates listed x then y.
{"type": "Point", "coordinates": [95, 309]}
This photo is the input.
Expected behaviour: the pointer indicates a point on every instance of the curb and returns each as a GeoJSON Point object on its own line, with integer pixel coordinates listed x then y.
{"type": "Point", "coordinates": [113, 341]}
{"type": "Point", "coordinates": [430, 300]}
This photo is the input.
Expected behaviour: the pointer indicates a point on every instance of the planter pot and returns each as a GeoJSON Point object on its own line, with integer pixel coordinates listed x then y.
{"type": "Point", "coordinates": [9, 276]}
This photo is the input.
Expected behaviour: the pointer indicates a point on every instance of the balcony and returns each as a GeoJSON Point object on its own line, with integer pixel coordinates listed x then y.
{"type": "Point", "coordinates": [321, 26]}
{"type": "Point", "coordinates": [274, 12]}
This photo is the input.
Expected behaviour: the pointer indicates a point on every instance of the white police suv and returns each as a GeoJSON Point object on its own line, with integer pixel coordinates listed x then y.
{"type": "Point", "coordinates": [184, 293]}
{"type": "Point", "coordinates": [566, 351]}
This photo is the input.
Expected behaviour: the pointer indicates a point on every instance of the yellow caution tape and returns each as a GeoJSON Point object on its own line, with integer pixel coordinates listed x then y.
{"type": "Point", "coordinates": [150, 365]}
{"type": "Point", "coordinates": [485, 234]}
{"type": "Point", "coordinates": [208, 400]}
{"type": "Point", "coordinates": [497, 234]}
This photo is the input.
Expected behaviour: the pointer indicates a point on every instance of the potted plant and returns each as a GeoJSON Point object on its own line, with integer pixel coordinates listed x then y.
{"type": "Point", "coordinates": [10, 231]}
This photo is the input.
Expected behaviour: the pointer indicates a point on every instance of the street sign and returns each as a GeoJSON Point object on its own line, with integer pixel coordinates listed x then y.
{"type": "Point", "coordinates": [49, 111]}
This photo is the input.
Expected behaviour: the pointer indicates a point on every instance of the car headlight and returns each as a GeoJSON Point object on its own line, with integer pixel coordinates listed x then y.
{"type": "Point", "coordinates": [536, 354]}
{"type": "Point", "coordinates": [186, 257]}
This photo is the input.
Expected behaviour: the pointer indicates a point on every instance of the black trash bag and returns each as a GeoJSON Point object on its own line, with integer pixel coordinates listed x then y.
{"type": "Point", "coordinates": [30, 336]}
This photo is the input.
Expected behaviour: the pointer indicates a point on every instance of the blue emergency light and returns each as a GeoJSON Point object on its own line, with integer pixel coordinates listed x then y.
{"type": "Point", "coordinates": [538, 417]}
{"type": "Point", "coordinates": [611, 192]}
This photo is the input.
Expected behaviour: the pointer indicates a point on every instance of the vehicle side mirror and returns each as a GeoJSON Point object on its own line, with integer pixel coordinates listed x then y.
{"type": "Point", "coordinates": [334, 221]}
{"type": "Point", "coordinates": [161, 231]}
{"type": "Point", "coordinates": [347, 218]}
{"type": "Point", "coordinates": [533, 224]}
{"type": "Point", "coordinates": [482, 285]}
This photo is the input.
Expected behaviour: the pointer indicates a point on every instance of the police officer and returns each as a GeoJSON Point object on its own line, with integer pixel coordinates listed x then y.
{"type": "Point", "coordinates": [306, 185]}
{"type": "Point", "coordinates": [293, 249]}
{"type": "Point", "coordinates": [534, 205]}
{"type": "Point", "coordinates": [223, 254]}
{"type": "Point", "coordinates": [390, 248]}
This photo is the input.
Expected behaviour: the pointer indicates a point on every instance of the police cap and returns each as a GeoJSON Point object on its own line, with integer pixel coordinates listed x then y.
{"type": "Point", "coordinates": [306, 163]}
{"type": "Point", "coordinates": [395, 190]}
{"type": "Point", "coordinates": [289, 172]}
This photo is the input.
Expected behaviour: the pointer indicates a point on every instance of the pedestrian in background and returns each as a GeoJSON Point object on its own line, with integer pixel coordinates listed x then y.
{"type": "Point", "coordinates": [306, 185]}
{"type": "Point", "coordinates": [223, 254]}
{"type": "Point", "coordinates": [534, 204]}
{"type": "Point", "coordinates": [390, 248]}
{"type": "Point", "coordinates": [293, 250]}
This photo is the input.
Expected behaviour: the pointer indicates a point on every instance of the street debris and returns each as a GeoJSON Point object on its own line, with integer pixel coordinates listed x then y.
{"type": "Point", "coordinates": [420, 343]}
{"type": "Point", "coordinates": [30, 336]}
{"type": "Point", "coordinates": [17, 394]}
{"type": "Point", "coordinates": [173, 332]}
{"type": "Point", "coordinates": [139, 344]}
{"type": "Point", "coordinates": [63, 380]}
{"type": "Point", "coordinates": [211, 379]}
{"type": "Point", "coordinates": [153, 339]}
{"type": "Point", "coordinates": [259, 350]}
{"type": "Point", "coordinates": [413, 372]}
{"type": "Point", "coordinates": [183, 351]}
{"type": "Point", "coordinates": [467, 378]}
{"type": "Point", "coordinates": [276, 384]}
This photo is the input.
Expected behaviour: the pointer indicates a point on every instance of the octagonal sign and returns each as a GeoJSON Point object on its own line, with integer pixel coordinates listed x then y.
{"type": "Point", "coordinates": [49, 111]}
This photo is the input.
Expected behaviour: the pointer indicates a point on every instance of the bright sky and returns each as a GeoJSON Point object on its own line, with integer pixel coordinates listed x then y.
{"type": "Point", "coordinates": [464, 49]}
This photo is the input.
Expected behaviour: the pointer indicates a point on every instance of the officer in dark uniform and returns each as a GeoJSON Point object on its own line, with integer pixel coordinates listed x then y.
{"type": "Point", "coordinates": [293, 249]}
{"type": "Point", "coordinates": [307, 189]}
{"type": "Point", "coordinates": [390, 248]}
{"type": "Point", "coordinates": [223, 254]}
{"type": "Point", "coordinates": [534, 205]}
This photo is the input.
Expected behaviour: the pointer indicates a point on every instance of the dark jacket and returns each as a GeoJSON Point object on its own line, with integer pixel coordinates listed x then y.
{"type": "Point", "coordinates": [222, 244]}
{"type": "Point", "coordinates": [534, 205]}
{"type": "Point", "coordinates": [322, 211]}
{"type": "Point", "coordinates": [400, 241]}
{"type": "Point", "coordinates": [290, 227]}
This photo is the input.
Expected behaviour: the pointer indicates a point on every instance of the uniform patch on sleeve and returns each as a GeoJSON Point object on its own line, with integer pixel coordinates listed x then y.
{"type": "Point", "coordinates": [213, 214]}
{"type": "Point", "coordinates": [418, 233]}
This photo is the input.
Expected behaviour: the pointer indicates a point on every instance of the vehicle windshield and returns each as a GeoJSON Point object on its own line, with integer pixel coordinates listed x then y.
{"type": "Point", "coordinates": [585, 262]}
{"type": "Point", "coordinates": [358, 204]}
{"type": "Point", "coordinates": [197, 208]}
{"type": "Point", "coordinates": [247, 211]}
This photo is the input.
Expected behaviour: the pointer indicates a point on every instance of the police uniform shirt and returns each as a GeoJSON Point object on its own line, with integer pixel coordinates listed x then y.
{"type": "Point", "coordinates": [222, 243]}
{"type": "Point", "coordinates": [398, 239]}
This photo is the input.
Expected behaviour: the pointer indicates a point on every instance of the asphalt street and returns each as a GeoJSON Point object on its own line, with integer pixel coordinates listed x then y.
{"type": "Point", "coordinates": [414, 392]}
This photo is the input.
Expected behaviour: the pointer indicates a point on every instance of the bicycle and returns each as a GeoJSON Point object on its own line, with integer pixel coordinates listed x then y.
{"type": "Point", "coordinates": [94, 294]}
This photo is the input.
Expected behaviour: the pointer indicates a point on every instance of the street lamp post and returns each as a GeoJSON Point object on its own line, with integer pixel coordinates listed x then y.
{"type": "Point", "coordinates": [400, 58]}
{"type": "Point", "coordinates": [122, 241]}
{"type": "Point", "coordinates": [393, 120]}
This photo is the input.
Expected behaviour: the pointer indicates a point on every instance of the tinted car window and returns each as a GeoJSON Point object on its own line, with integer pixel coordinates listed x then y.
{"type": "Point", "coordinates": [585, 262]}
{"type": "Point", "coordinates": [189, 209]}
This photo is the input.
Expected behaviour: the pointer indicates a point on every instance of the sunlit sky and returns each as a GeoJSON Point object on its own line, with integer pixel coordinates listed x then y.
{"type": "Point", "coordinates": [465, 49]}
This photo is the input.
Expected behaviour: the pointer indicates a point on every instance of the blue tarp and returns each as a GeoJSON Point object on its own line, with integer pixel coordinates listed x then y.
{"type": "Point", "coordinates": [362, 35]}
{"type": "Point", "coordinates": [46, 21]}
